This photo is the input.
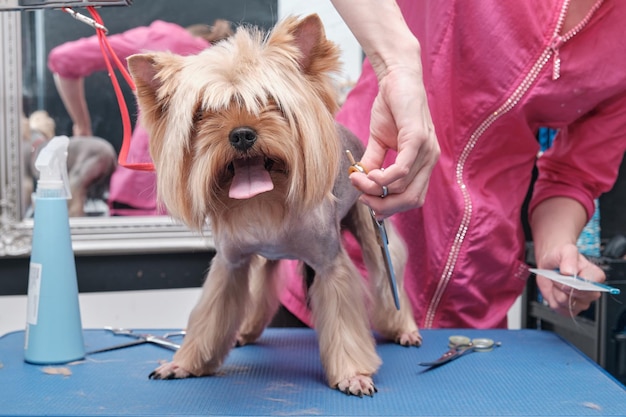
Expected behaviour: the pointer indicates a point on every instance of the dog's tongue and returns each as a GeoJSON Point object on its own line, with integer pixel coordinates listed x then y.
{"type": "Point", "coordinates": [251, 178]}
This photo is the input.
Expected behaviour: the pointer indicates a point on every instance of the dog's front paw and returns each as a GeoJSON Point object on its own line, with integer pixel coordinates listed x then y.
{"type": "Point", "coordinates": [245, 339]}
{"type": "Point", "coordinates": [169, 370]}
{"type": "Point", "coordinates": [359, 385]}
{"type": "Point", "coordinates": [407, 339]}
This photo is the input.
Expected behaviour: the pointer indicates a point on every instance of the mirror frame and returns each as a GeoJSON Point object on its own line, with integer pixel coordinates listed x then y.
{"type": "Point", "coordinates": [90, 235]}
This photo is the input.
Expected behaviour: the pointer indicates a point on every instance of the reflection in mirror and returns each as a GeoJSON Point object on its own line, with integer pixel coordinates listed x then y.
{"type": "Point", "coordinates": [67, 91]}
{"type": "Point", "coordinates": [31, 110]}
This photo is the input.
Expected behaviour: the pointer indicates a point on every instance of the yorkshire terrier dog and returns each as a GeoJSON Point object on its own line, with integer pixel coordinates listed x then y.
{"type": "Point", "coordinates": [243, 135]}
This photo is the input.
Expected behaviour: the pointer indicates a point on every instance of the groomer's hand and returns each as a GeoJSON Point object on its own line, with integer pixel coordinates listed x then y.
{"type": "Point", "coordinates": [400, 121]}
{"type": "Point", "coordinates": [561, 298]}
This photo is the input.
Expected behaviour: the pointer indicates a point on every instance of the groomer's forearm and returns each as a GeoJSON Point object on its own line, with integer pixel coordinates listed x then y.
{"type": "Point", "coordinates": [555, 222]}
{"type": "Point", "coordinates": [72, 92]}
{"type": "Point", "coordinates": [381, 30]}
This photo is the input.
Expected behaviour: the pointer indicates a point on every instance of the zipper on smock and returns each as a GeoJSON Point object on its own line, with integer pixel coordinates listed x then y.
{"type": "Point", "coordinates": [558, 40]}
{"type": "Point", "coordinates": [551, 50]}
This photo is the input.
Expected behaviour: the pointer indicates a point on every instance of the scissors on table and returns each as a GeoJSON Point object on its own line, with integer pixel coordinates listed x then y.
{"type": "Point", "coordinates": [141, 338]}
{"type": "Point", "coordinates": [461, 345]}
{"type": "Point", "coordinates": [381, 233]}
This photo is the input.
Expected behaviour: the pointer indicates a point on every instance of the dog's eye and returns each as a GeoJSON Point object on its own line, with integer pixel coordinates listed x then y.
{"type": "Point", "coordinates": [273, 107]}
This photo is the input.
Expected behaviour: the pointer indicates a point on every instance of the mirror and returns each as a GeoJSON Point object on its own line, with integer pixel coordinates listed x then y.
{"type": "Point", "coordinates": [26, 85]}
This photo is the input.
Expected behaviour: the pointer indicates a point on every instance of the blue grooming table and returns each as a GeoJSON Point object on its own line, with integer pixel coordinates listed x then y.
{"type": "Point", "coordinates": [533, 373]}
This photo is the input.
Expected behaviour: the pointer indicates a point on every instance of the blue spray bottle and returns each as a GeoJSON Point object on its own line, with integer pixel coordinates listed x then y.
{"type": "Point", "coordinates": [54, 331]}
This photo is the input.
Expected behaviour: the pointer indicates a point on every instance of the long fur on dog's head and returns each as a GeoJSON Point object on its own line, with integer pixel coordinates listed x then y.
{"type": "Point", "coordinates": [277, 83]}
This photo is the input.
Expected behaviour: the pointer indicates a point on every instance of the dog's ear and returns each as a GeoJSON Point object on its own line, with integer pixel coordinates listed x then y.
{"type": "Point", "coordinates": [309, 35]}
{"type": "Point", "coordinates": [143, 69]}
{"type": "Point", "coordinates": [149, 71]}
{"type": "Point", "coordinates": [155, 81]}
{"type": "Point", "coordinates": [317, 53]}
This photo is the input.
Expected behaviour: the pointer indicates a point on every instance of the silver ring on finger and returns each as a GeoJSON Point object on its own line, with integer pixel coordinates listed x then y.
{"type": "Point", "coordinates": [385, 192]}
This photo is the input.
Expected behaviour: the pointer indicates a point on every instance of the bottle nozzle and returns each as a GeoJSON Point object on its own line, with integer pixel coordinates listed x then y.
{"type": "Point", "coordinates": [52, 166]}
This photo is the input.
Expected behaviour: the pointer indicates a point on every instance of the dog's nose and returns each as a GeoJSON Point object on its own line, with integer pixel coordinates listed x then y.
{"type": "Point", "coordinates": [242, 138]}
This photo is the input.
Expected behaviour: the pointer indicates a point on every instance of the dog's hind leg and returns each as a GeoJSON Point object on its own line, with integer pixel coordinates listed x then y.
{"type": "Point", "coordinates": [347, 347]}
{"type": "Point", "coordinates": [264, 302]}
{"type": "Point", "coordinates": [393, 324]}
{"type": "Point", "coordinates": [76, 205]}
{"type": "Point", "coordinates": [213, 323]}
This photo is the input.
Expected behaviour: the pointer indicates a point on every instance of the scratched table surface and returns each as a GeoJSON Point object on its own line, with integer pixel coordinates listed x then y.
{"type": "Point", "coordinates": [533, 373]}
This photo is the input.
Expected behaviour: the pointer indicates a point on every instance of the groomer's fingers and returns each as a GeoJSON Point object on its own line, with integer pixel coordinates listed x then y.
{"type": "Point", "coordinates": [413, 156]}
{"type": "Point", "coordinates": [568, 259]}
{"type": "Point", "coordinates": [574, 263]}
{"type": "Point", "coordinates": [374, 155]}
{"type": "Point", "coordinates": [564, 299]}
{"type": "Point", "coordinates": [406, 179]}
{"type": "Point", "coordinates": [413, 195]}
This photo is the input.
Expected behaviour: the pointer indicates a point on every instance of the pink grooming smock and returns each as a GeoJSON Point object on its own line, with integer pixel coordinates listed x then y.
{"type": "Point", "coordinates": [488, 71]}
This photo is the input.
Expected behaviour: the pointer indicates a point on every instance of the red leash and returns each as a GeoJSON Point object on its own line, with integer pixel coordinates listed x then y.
{"type": "Point", "coordinates": [107, 51]}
